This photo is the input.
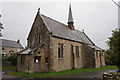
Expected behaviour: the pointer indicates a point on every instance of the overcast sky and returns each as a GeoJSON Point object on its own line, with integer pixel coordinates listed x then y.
{"type": "Point", "coordinates": [97, 19]}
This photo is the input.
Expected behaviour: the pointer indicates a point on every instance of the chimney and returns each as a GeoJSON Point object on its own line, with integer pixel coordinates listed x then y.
{"type": "Point", "coordinates": [70, 19]}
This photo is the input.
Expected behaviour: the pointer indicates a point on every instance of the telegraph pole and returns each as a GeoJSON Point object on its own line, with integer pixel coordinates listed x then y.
{"type": "Point", "coordinates": [118, 4]}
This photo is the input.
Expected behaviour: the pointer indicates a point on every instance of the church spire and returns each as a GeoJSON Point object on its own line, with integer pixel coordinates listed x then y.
{"type": "Point", "coordinates": [70, 19]}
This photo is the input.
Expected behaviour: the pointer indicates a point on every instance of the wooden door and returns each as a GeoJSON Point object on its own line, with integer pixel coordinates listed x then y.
{"type": "Point", "coordinates": [72, 58]}
{"type": "Point", "coordinates": [37, 61]}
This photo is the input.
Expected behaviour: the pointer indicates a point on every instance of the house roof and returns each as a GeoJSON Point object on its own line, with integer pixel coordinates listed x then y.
{"type": "Point", "coordinates": [63, 31]}
{"type": "Point", "coordinates": [10, 43]}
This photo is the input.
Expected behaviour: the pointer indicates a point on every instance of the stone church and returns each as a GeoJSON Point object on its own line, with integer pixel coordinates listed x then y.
{"type": "Point", "coordinates": [53, 46]}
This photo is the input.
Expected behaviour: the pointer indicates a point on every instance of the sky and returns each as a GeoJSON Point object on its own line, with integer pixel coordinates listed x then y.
{"type": "Point", "coordinates": [97, 18]}
{"type": "Point", "coordinates": [119, 15]}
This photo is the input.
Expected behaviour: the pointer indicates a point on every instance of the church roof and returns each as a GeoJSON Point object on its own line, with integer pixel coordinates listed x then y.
{"type": "Point", "coordinates": [63, 31]}
{"type": "Point", "coordinates": [9, 43]}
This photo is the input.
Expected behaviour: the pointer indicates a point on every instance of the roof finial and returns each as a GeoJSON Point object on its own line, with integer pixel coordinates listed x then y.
{"type": "Point", "coordinates": [83, 30]}
{"type": "Point", "coordinates": [18, 41]}
{"type": "Point", "coordinates": [38, 9]}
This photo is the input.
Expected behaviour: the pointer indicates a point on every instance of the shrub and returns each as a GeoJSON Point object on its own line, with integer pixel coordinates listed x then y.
{"type": "Point", "coordinates": [13, 59]}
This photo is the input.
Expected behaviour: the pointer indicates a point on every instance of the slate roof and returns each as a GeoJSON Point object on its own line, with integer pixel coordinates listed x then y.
{"type": "Point", "coordinates": [61, 30]}
{"type": "Point", "coordinates": [30, 49]}
{"type": "Point", "coordinates": [25, 51]}
{"type": "Point", "coordinates": [96, 47]}
{"type": "Point", "coordinates": [10, 43]}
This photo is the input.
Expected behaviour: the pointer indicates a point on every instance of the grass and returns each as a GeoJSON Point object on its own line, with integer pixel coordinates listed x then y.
{"type": "Point", "coordinates": [8, 67]}
{"type": "Point", "coordinates": [60, 73]}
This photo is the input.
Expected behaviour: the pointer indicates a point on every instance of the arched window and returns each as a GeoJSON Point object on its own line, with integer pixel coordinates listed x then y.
{"type": "Point", "coordinates": [96, 54]}
{"type": "Point", "coordinates": [60, 50]}
{"type": "Point", "coordinates": [77, 51]}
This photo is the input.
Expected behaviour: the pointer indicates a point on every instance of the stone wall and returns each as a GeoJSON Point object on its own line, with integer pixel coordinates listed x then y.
{"type": "Point", "coordinates": [103, 59]}
{"type": "Point", "coordinates": [65, 63]}
{"type": "Point", "coordinates": [99, 59]}
{"type": "Point", "coordinates": [88, 60]}
{"type": "Point", "coordinates": [26, 64]}
{"type": "Point", "coordinates": [43, 51]}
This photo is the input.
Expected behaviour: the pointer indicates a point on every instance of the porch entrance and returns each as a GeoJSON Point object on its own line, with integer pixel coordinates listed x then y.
{"type": "Point", "coordinates": [37, 63]}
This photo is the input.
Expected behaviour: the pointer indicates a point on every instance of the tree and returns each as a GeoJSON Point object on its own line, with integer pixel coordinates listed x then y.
{"type": "Point", "coordinates": [1, 27]}
{"type": "Point", "coordinates": [110, 58]}
{"type": "Point", "coordinates": [114, 47]}
{"type": "Point", "coordinates": [12, 59]}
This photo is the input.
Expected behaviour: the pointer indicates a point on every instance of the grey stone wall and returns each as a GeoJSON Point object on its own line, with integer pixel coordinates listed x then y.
{"type": "Point", "coordinates": [88, 59]}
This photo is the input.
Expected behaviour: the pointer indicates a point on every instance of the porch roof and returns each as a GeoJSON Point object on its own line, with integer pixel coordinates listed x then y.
{"type": "Point", "coordinates": [30, 49]}
{"type": "Point", "coordinates": [26, 51]}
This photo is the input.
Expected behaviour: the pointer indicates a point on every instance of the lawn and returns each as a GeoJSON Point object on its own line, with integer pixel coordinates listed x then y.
{"type": "Point", "coordinates": [8, 67]}
{"type": "Point", "coordinates": [60, 73]}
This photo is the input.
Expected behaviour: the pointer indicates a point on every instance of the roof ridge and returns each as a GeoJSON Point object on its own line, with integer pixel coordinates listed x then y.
{"type": "Point", "coordinates": [56, 21]}
{"type": "Point", "coordinates": [8, 40]}
{"type": "Point", "coordinates": [88, 38]}
{"type": "Point", "coordinates": [10, 43]}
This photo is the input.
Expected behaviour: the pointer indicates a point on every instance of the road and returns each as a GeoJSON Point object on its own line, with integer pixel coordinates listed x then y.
{"type": "Point", "coordinates": [6, 75]}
